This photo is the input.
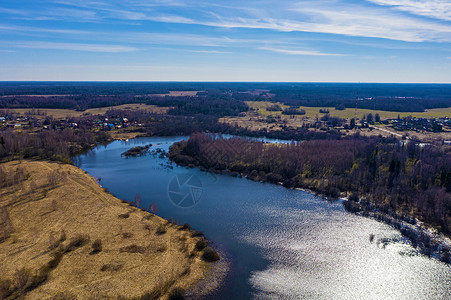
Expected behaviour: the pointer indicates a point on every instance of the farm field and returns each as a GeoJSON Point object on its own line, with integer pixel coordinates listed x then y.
{"type": "Point", "coordinates": [312, 112]}
{"type": "Point", "coordinates": [63, 113]}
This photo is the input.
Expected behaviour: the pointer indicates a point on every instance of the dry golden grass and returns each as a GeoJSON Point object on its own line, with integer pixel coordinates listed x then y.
{"type": "Point", "coordinates": [63, 113]}
{"type": "Point", "coordinates": [58, 198]}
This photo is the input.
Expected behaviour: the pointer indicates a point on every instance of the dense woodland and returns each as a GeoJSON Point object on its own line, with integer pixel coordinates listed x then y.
{"type": "Point", "coordinates": [406, 179]}
{"type": "Point", "coordinates": [388, 97]}
{"type": "Point", "coordinates": [57, 145]}
{"type": "Point", "coordinates": [81, 96]}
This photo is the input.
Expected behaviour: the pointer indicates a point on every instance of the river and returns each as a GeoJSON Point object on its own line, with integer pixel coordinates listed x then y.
{"type": "Point", "coordinates": [281, 243]}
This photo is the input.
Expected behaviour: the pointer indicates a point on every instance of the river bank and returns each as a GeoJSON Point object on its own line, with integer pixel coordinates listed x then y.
{"type": "Point", "coordinates": [59, 226]}
{"type": "Point", "coordinates": [423, 238]}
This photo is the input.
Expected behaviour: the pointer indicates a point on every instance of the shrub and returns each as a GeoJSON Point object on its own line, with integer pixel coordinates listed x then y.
{"type": "Point", "coordinates": [124, 216]}
{"type": "Point", "coordinates": [201, 244]}
{"type": "Point", "coordinates": [162, 248]}
{"type": "Point", "coordinates": [96, 246]}
{"type": "Point", "coordinates": [197, 234]}
{"type": "Point", "coordinates": [176, 294]}
{"type": "Point", "coordinates": [133, 249]}
{"type": "Point", "coordinates": [62, 236]}
{"type": "Point", "coordinates": [53, 243]}
{"type": "Point", "coordinates": [185, 226]}
{"type": "Point", "coordinates": [77, 242]}
{"type": "Point", "coordinates": [111, 267]}
{"type": "Point", "coordinates": [127, 235]}
{"type": "Point", "coordinates": [161, 229]}
{"type": "Point", "coordinates": [56, 258]}
{"type": "Point", "coordinates": [39, 278]}
{"type": "Point", "coordinates": [5, 288]}
{"type": "Point", "coordinates": [22, 279]}
{"type": "Point", "coordinates": [210, 255]}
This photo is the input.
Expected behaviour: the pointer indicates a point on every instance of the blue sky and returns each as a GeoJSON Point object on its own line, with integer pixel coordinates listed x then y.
{"type": "Point", "coordinates": [195, 40]}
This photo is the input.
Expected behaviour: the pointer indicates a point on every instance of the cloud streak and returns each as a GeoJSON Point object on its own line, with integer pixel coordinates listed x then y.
{"type": "Point", "coordinates": [438, 9]}
{"type": "Point", "coordinates": [387, 19]}
{"type": "Point", "coordinates": [68, 46]}
{"type": "Point", "coordinates": [300, 52]}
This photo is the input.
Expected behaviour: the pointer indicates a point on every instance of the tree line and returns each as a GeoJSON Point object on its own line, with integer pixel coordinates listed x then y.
{"type": "Point", "coordinates": [405, 179]}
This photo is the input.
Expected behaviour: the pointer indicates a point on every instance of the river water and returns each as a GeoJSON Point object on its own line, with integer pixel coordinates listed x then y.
{"type": "Point", "coordinates": [282, 243]}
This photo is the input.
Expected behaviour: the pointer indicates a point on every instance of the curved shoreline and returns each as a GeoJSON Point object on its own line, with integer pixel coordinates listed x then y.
{"type": "Point", "coordinates": [54, 199]}
{"type": "Point", "coordinates": [421, 237]}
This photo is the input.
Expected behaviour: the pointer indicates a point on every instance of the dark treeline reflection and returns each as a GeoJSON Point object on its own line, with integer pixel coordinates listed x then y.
{"type": "Point", "coordinates": [406, 179]}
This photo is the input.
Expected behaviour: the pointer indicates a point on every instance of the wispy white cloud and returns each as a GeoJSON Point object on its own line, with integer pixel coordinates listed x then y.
{"type": "Point", "coordinates": [68, 46]}
{"type": "Point", "coordinates": [438, 9]}
{"type": "Point", "coordinates": [387, 19]}
{"type": "Point", "coordinates": [24, 29]}
{"type": "Point", "coordinates": [300, 52]}
{"type": "Point", "coordinates": [209, 51]}
{"type": "Point", "coordinates": [330, 17]}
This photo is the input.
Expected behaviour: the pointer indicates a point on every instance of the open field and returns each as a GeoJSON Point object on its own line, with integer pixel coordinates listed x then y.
{"type": "Point", "coordinates": [52, 206]}
{"type": "Point", "coordinates": [312, 112]}
{"type": "Point", "coordinates": [63, 113]}
{"type": "Point", "coordinates": [178, 94]}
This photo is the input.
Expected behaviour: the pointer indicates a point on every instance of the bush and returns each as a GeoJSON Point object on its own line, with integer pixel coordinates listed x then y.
{"type": "Point", "coordinates": [111, 267]}
{"type": "Point", "coordinates": [176, 294]}
{"type": "Point", "coordinates": [76, 242]}
{"type": "Point", "coordinates": [197, 234]}
{"type": "Point", "coordinates": [161, 229]}
{"type": "Point", "coordinates": [124, 216]}
{"type": "Point", "coordinates": [96, 246]}
{"type": "Point", "coordinates": [56, 258]}
{"type": "Point", "coordinates": [127, 235]}
{"type": "Point", "coordinates": [185, 226]}
{"type": "Point", "coordinates": [38, 278]}
{"type": "Point", "coordinates": [5, 288]}
{"type": "Point", "coordinates": [201, 244]}
{"type": "Point", "coordinates": [22, 279]}
{"type": "Point", "coordinates": [133, 249]}
{"type": "Point", "coordinates": [210, 255]}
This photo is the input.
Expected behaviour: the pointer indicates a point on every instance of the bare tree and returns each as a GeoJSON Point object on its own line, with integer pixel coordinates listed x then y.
{"type": "Point", "coordinates": [153, 208]}
{"type": "Point", "coordinates": [6, 225]}
{"type": "Point", "coordinates": [138, 200]}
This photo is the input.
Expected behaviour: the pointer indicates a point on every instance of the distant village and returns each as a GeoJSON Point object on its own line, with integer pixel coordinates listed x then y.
{"type": "Point", "coordinates": [38, 121]}
{"type": "Point", "coordinates": [12, 120]}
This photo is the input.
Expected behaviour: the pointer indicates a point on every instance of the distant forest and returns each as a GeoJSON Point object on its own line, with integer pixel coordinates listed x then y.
{"type": "Point", "coordinates": [224, 99]}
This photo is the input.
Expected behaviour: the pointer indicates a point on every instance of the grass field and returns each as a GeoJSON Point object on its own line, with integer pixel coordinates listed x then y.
{"type": "Point", "coordinates": [56, 200]}
{"type": "Point", "coordinates": [63, 113]}
{"type": "Point", "coordinates": [312, 112]}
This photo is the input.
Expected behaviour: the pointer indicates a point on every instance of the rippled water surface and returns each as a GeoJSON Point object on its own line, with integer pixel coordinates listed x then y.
{"type": "Point", "coordinates": [283, 244]}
